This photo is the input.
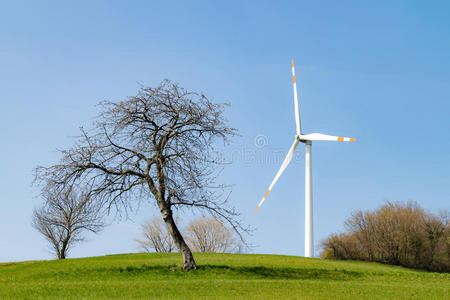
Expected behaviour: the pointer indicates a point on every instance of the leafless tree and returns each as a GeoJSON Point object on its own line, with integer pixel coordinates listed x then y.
{"type": "Point", "coordinates": [64, 217]}
{"type": "Point", "coordinates": [154, 236]}
{"type": "Point", "coordinates": [156, 145]}
{"type": "Point", "coordinates": [207, 234]}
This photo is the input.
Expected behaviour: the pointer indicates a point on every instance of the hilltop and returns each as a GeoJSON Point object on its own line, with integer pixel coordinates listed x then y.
{"type": "Point", "coordinates": [220, 276]}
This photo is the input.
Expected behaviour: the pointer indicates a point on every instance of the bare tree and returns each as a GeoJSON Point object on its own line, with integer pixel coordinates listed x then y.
{"type": "Point", "coordinates": [64, 217]}
{"type": "Point", "coordinates": [156, 145]}
{"type": "Point", "coordinates": [207, 234]}
{"type": "Point", "coordinates": [154, 236]}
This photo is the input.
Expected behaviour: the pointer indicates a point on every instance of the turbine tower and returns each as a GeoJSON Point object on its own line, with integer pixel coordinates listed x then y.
{"type": "Point", "coordinates": [307, 140]}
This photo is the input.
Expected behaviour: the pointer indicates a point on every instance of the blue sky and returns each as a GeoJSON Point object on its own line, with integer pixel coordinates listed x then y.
{"type": "Point", "coordinates": [376, 71]}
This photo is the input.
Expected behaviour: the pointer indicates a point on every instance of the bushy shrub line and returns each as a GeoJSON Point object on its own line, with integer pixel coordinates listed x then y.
{"type": "Point", "coordinates": [397, 233]}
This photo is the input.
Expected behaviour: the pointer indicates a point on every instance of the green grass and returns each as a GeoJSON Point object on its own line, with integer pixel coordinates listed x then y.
{"type": "Point", "coordinates": [220, 276]}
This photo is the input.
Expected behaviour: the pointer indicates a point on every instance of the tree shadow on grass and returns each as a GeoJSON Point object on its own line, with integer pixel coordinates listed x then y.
{"type": "Point", "coordinates": [156, 272]}
{"type": "Point", "coordinates": [242, 272]}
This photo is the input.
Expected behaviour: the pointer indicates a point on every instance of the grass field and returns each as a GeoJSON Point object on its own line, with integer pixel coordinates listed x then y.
{"type": "Point", "coordinates": [220, 276]}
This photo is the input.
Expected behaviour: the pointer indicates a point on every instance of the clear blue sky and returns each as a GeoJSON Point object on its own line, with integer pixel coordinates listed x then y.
{"type": "Point", "coordinates": [379, 72]}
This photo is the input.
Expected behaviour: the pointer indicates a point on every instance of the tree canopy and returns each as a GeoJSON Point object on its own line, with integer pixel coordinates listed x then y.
{"type": "Point", "coordinates": [160, 145]}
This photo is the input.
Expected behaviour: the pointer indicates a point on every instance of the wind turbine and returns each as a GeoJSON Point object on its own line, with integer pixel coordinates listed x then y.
{"type": "Point", "coordinates": [307, 140]}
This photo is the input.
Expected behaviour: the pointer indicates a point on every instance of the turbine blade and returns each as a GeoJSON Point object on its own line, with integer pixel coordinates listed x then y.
{"type": "Point", "coordinates": [285, 163]}
{"type": "Point", "coordinates": [297, 113]}
{"type": "Point", "coordinates": [325, 137]}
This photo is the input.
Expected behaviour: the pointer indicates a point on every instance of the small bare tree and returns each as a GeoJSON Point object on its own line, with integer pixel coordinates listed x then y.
{"type": "Point", "coordinates": [64, 217]}
{"type": "Point", "coordinates": [156, 145]}
{"type": "Point", "coordinates": [207, 234]}
{"type": "Point", "coordinates": [154, 236]}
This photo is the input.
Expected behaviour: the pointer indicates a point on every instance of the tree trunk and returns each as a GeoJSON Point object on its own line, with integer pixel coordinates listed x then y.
{"type": "Point", "coordinates": [189, 262]}
{"type": "Point", "coordinates": [62, 254]}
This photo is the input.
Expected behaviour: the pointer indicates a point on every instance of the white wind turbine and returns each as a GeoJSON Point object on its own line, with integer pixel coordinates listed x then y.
{"type": "Point", "coordinates": [307, 140]}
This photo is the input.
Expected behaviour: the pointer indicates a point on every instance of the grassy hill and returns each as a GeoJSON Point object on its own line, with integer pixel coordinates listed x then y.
{"type": "Point", "coordinates": [221, 276]}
